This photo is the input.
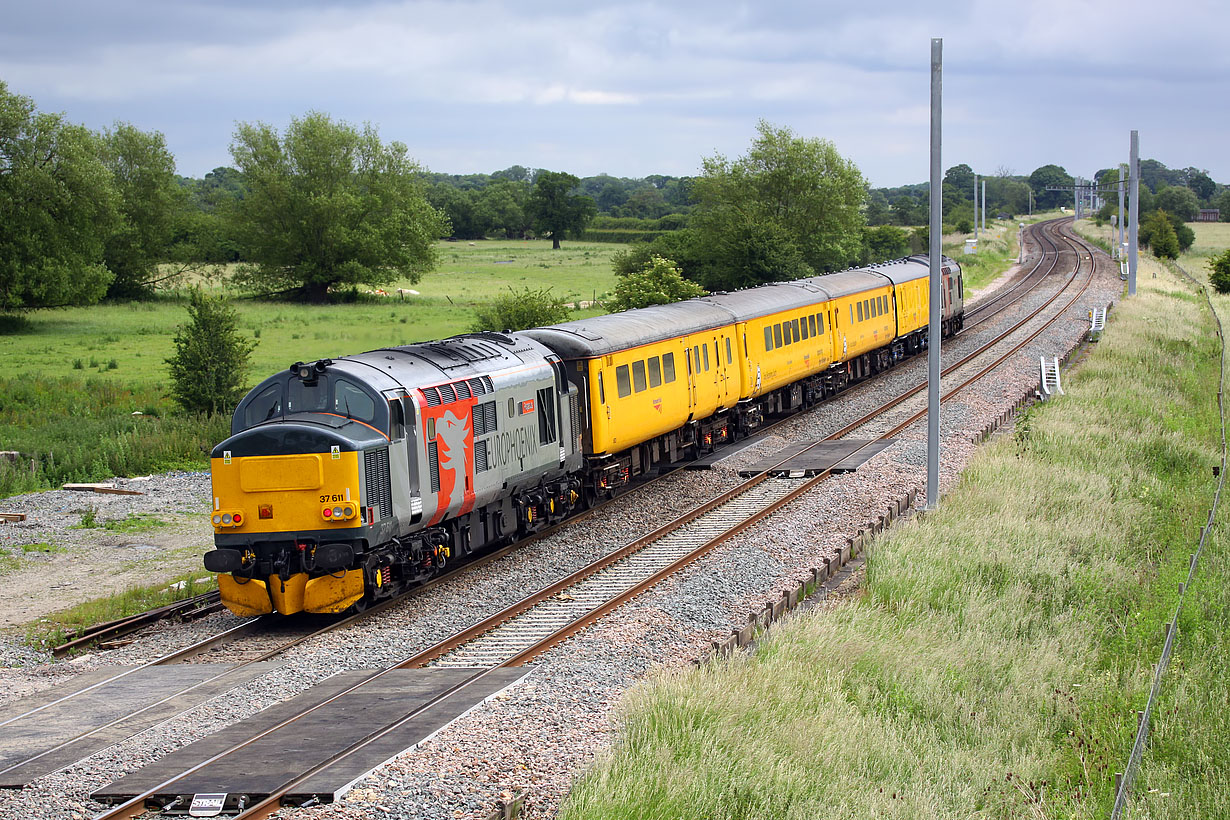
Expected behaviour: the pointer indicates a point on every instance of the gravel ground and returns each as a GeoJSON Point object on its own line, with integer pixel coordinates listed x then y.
{"type": "Point", "coordinates": [540, 734]}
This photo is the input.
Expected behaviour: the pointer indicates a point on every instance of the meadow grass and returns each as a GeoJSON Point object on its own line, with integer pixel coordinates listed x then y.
{"type": "Point", "coordinates": [73, 378]}
{"type": "Point", "coordinates": [53, 629]}
{"type": "Point", "coordinates": [992, 665]}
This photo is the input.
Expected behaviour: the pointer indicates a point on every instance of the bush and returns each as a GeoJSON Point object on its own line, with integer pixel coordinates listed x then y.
{"type": "Point", "coordinates": [659, 282]}
{"type": "Point", "coordinates": [520, 310]}
{"type": "Point", "coordinates": [211, 359]}
{"type": "Point", "coordinates": [1221, 272]}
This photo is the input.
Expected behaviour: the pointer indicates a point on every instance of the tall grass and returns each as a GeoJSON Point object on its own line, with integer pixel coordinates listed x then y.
{"type": "Point", "coordinates": [74, 429]}
{"type": "Point", "coordinates": [993, 666]}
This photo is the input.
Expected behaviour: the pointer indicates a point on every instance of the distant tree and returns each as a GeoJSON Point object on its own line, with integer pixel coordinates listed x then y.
{"type": "Point", "coordinates": [963, 226]}
{"type": "Point", "coordinates": [1178, 202]}
{"type": "Point", "coordinates": [660, 282]}
{"type": "Point", "coordinates": [1221, 272]}
{"type": "Point", "coordinates": [1050, 175]}
{"type": "Point", "coordinates": [501, 207]}
{"type": "Point", "coordinates": [960, 180]}
{"type": "Point", "coordinates": [460, 207]}
{"type": "Point", "coordinates": [876, 210]}
{"type": "Point", "coordinates": [885, 242]}
{"type": "Point", "coordinates": [520, 310]}
{"type": "Point", "coordinates": [909, 210]}
{"type": "Point", "coordinates": [152, 208]}
{"type": "Point", "coordinates": [1158, 234]}
{"type": "Point", "coordinates": [209, 367]}
{"type": "Point", "coordinates": [555, 210]}
{"type": "Point", "coordinates": [57, 206]}
{"type": "Point", "coordinates": [789, 207]}
{"type": "Point", "coordinates": [1200, 183]}
{"type": "Point", "coordinates": [1223, 205]}
{"type": "Point", "coordinates": [329, 205]}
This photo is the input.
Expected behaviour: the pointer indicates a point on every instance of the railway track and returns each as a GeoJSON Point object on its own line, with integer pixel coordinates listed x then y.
{"type": "Point", "coordinates": [540, 621]}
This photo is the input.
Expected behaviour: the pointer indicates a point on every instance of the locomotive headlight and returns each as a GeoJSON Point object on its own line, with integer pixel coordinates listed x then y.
{"type": "Point", "coordinates": [217, 519]}
{"type": "Point", "coordinates": [226, 518]}
{"type": "Point", "coordinates": [337, 512]}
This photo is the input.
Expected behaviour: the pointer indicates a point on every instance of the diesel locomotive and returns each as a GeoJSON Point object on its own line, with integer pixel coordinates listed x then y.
{"type": "Point", "coordinates": [348, 480]}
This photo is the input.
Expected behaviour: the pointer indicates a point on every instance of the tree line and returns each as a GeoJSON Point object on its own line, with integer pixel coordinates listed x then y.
{"type": "Point", "coordinates": [325, 206]}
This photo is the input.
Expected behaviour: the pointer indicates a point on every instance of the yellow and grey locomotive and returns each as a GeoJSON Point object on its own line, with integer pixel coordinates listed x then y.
{"type": "Point", "coordinates": [348, 480]}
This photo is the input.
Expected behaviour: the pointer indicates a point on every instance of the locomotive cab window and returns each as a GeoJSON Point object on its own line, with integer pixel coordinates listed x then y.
{"type": "Point", "coordinates": [265, 406]}
{"type": "Point", "coordinates": [350, 401]}
{"type": "Point", "coordinates": [623, 381]}
{"type": "Point", "coordinates": [308, 398]}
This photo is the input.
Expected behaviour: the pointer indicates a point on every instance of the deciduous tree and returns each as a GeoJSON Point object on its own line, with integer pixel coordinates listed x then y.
{"type": "Point", "coordinates": [789, 207]}
{"type": "Point", "coordinates": [327, 205]}
{"type": "Point", "coordinates": [556, 209]}
{"type": "Point", "coordinates": [57, 206]}
{"type": "Point", "coordinates": [1221, 272]}
{"type": "Point", "coordinates": [151, 208]}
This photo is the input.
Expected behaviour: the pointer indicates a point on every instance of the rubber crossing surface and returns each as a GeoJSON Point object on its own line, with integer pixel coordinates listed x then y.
{"type": "Point", "coordinates": [267, 765]}
{"type": "Point", "coordinates": [28, 744]}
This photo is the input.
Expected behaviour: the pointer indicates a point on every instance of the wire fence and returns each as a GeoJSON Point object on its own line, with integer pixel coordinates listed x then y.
{"type": "Point", "coordinates": [1128, 777]}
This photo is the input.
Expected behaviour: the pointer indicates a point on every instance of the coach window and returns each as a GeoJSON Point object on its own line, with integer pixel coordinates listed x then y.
{"type": "Point", "coordinates": [623, 383]}
{"type": "Point", "coordinates": [706, 355]}
{"type": "Point", "coordinates": [768, 338]}
{"type": "Point", "coordinates": [601, 389]}
{"type": "Point", "coordinates": [860, 311]}
{"type": "Point", "coordinates": [638, 376]}
{"type": "Point", "coordinates": [777, 336]}
{"type": "Point", "coordinates": [655, 371]}
{"type": "Point", "coordinates": [266, 406]}
{"type": "Point", "coordinates": [794, 329]}
{"type": "Point", "coordinates": [729, 356]}
{"type": "Point", "coordinates": [803, 328]}
{"type": "Point", "coordinates": [811, 323]}
{"type": "Point", "coordinates": [851, 314]}
{"type": "Point", "coordinates": [668, 367]}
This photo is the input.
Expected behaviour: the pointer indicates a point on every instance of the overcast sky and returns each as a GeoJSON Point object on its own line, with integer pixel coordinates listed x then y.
{"type": "Point", "coordinates": [632, 89]}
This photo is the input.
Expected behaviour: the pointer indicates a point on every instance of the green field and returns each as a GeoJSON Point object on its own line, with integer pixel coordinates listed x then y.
{"type": "Point", "coordinates": [127, 343]}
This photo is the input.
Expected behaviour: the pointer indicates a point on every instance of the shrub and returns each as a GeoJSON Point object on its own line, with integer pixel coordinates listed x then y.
{"type": "Point", "coordinates": [520, 310]}
{"type": "Point", "coordinates": [659, 282]}
{"type": "Point", "coordinates": [211, 358]}
{"type": "Point", "coordinates": [1221, 272]}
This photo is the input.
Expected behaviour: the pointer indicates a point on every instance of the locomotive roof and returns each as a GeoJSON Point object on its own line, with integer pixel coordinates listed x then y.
{"type": "Point", "coordinates": [599, 335]}
{"type": "Point", "coordinates": [429, 363]}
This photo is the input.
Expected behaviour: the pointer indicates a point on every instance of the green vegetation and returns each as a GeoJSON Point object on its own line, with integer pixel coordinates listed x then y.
{"type": "Point", "coordinates": [329, 205]}
{"type": "Point", "coordinates": [1220, 276]}
{"type": "Point", "coordinates": [42, 548]}
{"type": "Point", "coordinates": [210, 365]}
{"type": "Point", "coordinates": [54, 629]}
{"type": "Point", "coordinates": [556, 209]}
{"type": "Point", "coordinates": [133, 522]}
{"type": "Point", "coordinates": [993, 665]}
{"type": "Point", "coordinates": [659, 282]}
{"type": "Point", "coordinates": [519, 310]}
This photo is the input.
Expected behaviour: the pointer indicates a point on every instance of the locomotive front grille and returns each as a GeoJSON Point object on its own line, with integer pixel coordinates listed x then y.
{"type": "Point", "coordinates": [376, 473]}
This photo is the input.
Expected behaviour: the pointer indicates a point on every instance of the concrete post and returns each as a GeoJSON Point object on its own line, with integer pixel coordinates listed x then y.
{"type": "Point", "coordinates": [935, 250]}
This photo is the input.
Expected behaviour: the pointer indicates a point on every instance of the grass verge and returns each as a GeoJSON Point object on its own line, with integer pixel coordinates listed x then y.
{"type": "Point", "coordinates": [52, 630]}
{"type": "Point", "coordinates": [993, 664]}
